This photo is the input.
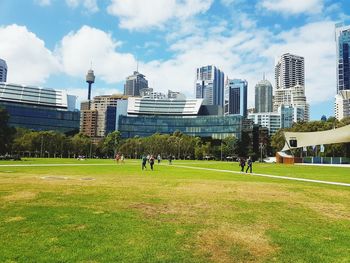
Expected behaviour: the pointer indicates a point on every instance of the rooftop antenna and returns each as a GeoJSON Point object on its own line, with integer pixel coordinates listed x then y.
{"type": "Point", "coordinates": [137, 66]}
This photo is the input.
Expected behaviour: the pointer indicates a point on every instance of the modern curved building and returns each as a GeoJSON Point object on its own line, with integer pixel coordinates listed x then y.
{"type": "Point", "coordinates": [3, 70]}
{"type": "Point", "coordinates": [263, 96]}
{"type": "Point", "coordinates": [39, 108]}
{"type": "Point", "coordinates": [147, 116]}
{"type": "Point", "coordinates": [165, 107]}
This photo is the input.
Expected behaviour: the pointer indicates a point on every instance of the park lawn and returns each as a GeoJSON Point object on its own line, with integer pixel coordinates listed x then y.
{"type": "Point", "coordinates": [325, 173]}
{"type": "Point", "coordinates": [118, 213]}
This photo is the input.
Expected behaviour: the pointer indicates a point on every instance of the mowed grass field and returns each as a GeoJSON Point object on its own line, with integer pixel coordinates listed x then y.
{"type": "Point", "coordinates": [98, 211]}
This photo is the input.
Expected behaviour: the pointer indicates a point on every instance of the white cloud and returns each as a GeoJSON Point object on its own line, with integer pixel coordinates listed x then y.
{"type": "Point", "coordinates": [141, 15]}
{"type": "Point", "coordinates": [78, 49]}
{"type": "Point", "coordinates": [315, 42]}
{"type": "Point", "coordinates": [293, 7]}
{"type": "Point", "coordinates": [28, 60]}
{"type": "Point", "coordinates": [90, 5]}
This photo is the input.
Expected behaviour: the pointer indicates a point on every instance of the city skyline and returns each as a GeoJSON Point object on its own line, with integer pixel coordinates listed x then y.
{"type": "Point", "coordinates": [177, 38]}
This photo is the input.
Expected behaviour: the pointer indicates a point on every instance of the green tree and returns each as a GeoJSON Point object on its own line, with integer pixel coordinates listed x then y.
{"type": "Point", "coordinates": [111, 143]}
{"type": "Point", "coordinates": [6, 132]}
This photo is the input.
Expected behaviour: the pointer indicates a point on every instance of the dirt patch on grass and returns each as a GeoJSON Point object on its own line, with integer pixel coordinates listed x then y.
{"type": "Point", "coordinates": [14, 219]}
{"type": "Point", "coordinates": [331, 210]}
{"type": "Point", "coordinates": [18, 196]}
{"type": "Point", "coordinates": [235, 244]}
{"type": "Point", "coordinates": [172, 211]}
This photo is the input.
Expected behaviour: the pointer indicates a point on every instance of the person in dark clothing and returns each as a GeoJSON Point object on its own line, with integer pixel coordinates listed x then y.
{"type": "Point", "coordinates": [170, 158]}
{"type": "Point", "coordinates": [144, 162]}
{"type": "Point", "coordinates": [249, 165]}
{"type": "Point", "coordinates": [151, 161]}
{"type": "Point", "coordinates": [242, 164]}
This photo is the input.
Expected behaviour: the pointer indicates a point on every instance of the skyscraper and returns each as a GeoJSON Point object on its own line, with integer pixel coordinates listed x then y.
{"type": "Point", "coordinates": [289, 71]}
{"type": "Point", "coordinates": [134, 84]}
{"type": "Point", "coordinates": [342, 39]}
{"type": "Point", "coordinates": [342, 104]}
{"type": "Point", "coordinates": [236, 97]}
{"type": "Point", "coordinates": [210, 85]}
{"type": "Point", "coordinates": [263, 96]}
{"type": "Point", "coordinates": [3, 70]}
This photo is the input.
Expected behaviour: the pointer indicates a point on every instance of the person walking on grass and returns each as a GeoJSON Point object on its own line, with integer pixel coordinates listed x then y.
{"type": "Point", "coordinates": [249, 165]}
{"type": "Point", "coordinates": [242, 164]}
{"type": "Point", "coordinates": [151, 161]}
{"type": "Point", "coordinates": [144, 162]}
{"type": "Point", "coordinates": [159, 158]}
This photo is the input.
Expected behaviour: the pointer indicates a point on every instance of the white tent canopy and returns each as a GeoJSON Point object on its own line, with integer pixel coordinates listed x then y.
{"type": "Point", "coordinates": [296, 140]}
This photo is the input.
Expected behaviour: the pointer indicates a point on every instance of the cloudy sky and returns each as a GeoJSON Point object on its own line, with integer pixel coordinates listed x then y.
{"type": "Point", "coordinates": [52, 43]}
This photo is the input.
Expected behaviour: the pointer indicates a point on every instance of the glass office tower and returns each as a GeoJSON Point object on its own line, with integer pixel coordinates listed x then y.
{"type": "Point", "coordinates": [3, 70]}
{"type": "Point", "coordinates": [342, 38]}
{"type": "Point", "coordinates": [236, 93]}
{"type": "Point", "coordinates": [210, 85]}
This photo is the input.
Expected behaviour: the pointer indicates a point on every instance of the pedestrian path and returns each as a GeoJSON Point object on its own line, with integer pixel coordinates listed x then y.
{"type": "Point", "coordinates": [267, 175]}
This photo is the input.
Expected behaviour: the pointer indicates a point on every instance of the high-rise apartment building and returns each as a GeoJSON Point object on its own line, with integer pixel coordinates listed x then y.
{"type": "Point", "coordinates": [101, 117]}
{"type": "Point", "coordinates": [294, 97]}
{"type": "Point", "coordinates": [289, 71]}
{"type": "Point", "coordinates": [342, 39]}
{"type": "Point", "coordinates": [210, 85]}
{"type": "Point", "coordinates": [236, 94]}
{"type": "Point", "coordinates": [3, 70]}
{"type": "Point", "coordinates": [342, 104]}
{"type": "Point", "coordinates": [263, 96]}
{"type": "Point", "coordinates": [134, 84]}
{"type": "Point", "coordinates": [290, 86]}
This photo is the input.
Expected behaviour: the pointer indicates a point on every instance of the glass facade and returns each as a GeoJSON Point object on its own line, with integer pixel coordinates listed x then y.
{"type": "Point", "coordinates": [343, 57]}
{"type": "Point", "coordinates": [210, 85]}
{"type": "Point", "coordinates": [3, 70]}
{"type": "Point", "coordinates": [41, 118]}
{"type": "Point", "coordinates": [216, 127]}
{"type": "Point", "coordinates": [134, 84]}
{"type": "Point", "coordinates": [236, 96]}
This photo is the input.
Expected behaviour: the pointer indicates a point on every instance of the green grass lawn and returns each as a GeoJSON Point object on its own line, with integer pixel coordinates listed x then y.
{"type": "Point", "coordinates": [106, 212]}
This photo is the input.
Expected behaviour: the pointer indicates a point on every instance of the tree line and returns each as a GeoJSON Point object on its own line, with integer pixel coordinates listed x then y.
{"type": "Point", "coordinates": [29, 143]}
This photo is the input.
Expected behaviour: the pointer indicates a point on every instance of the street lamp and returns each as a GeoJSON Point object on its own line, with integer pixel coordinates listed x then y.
{"type": "Point", "coordinates": [261, 147]}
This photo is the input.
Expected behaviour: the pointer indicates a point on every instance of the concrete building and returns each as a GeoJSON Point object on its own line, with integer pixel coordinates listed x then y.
{"type": "Point", "coordinates": [292, 97]}
{"type": "Point", "coordinates": [134, 84]}
{"type": "Point", "coordinates": [39, 108]}
{"type": "Point", "coordinates": [263, 96]}
{"type": "Point", "coordinates": [176, 95]}
{"type": "Point", "coordinates": [3, 70]}
{"type": "Point", "coordinates": [100, 119]}
{"type": "Point", "coordinates": [289, 71]}
{"type": "Point", "coordinates": [210, 85]}
{"type": "Point", "coordinates": [282, 118]}
{"type": "Point", "coordinates": [342, 104]}
{"type": "Point", "coordinates": [236, 94]}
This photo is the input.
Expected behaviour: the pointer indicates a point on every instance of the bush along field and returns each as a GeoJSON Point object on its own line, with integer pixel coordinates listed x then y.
{"type": "Point", "coordinates": [64, 210]}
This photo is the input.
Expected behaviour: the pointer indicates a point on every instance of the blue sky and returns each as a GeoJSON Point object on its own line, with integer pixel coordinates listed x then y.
{"type": "Point", "coordinates": [52, 43]}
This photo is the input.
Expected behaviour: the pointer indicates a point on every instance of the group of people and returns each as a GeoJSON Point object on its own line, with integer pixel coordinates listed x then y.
{"type": "Point", "coordinates": [119, 157]}
{"type": "Point", "coordinates": [149, 159]}
{"type": "Point", "coordinates": [243, 162]}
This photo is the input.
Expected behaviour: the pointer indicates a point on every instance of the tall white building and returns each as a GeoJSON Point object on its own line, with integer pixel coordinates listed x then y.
{"type": "Point", "coordinates": [210, 85]}
{"type": "Point", "coordinates": [290, 71]}
{"type": "Point", "coordinates": [263, 96]}
{"type": "Point", "coordinates": [342, 104]}
{"type": "Point", "coordinates": [290, 85]}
